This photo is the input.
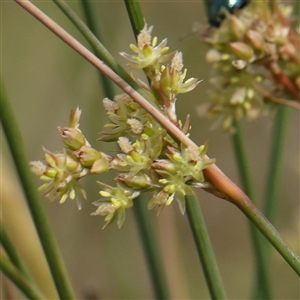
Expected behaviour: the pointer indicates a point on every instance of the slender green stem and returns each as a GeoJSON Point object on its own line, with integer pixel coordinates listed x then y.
{"type": "Point", "coordinates": [11, 252]}
{"type": "Point", "coordinates": [19, 279]}
{"type": "Point", "coordinates": [262, 288]}
{"type": "Point", "coordinates": [268, 230]}
{"type": "Point", "coordinates": [35, 203]}
{"type": "Point", "coordinates": [147, 233]}
{"type": "Point", "coordinates": [151, 249]}
{"type": "Point", "coordinates": [97, 46]}
{"type": "Point", "coordinates": [242, 163]}
{"type": "Point", "coordinates": [135, 14]}
{"type": "Point", "coordinates": [279, 132]}
{"type": "Point", "coordinates": [271, 205]}
{"type": "Point", "coordinates": [204, 248]}
{"type": "Point", "coordinates": [89, 9]}
{"type": "Point", "coordinates": [194, 213]}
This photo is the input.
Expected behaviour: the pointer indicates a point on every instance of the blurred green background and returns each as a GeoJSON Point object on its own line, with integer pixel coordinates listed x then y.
{"type": "Point", "coordinates": [45, 79]}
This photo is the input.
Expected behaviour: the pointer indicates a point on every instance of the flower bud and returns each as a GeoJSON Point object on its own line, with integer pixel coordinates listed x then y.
{"type": "Point", "coordinates": [138, 181]}
{"type": "Point", "coordinates": [99, 166]}
{"type": "Point", "coordinates": [74, 118]}
{"type": "Point", "coordinates": [237, 27]}
{"type": "Point", "coordinates": [72, 137]}
{"type": "Point", "coordinates": [213, 56]}
{"type": "Point", "coordinates": [256, 39]}
{"type": "Point", "coordinates": [242, 50]}
{"type": "Point", "coordinates": [165, 165]}
{"type": "Point", "coordinates": [166, 81]}
{"type": "Point", "coordinates": [87, 156]}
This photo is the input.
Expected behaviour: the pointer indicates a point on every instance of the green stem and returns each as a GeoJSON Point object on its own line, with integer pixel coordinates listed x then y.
{"type": "Point", "coordinates": [196, 220]}
{"type": "Point", "coordinates": [271, 205]}
{"type": "Point", "coordinates": [11, 252]}
{"type": "Point", "coordinates": [18, 278]}
{"type": "Point", "coordinates": [143, 219]}
{"type": "Point", "coordinates": [194, 213]}
{"type": "Point", "coordinates": [151, 249]}
{"type": "Point", "coordinates": [262, 288]}
{"type": "Point", "coordinates": [34, 201]}
{"type": "Point", "coordinates": [135, 14]}
{"type": "Point", "coordinates": [268, 230]}
{"type": "Point", "coordinates": [97, 46]}
{"type": "Point", "coordinates": [204, 248]}
{"type": "Point", "coordinates": [92, 19]}
{"type": "Point", "coordinates": [272, 200]}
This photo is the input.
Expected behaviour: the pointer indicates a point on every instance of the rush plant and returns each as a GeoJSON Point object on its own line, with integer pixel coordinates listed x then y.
{"type": "Point", "coordinates": [254, 53]}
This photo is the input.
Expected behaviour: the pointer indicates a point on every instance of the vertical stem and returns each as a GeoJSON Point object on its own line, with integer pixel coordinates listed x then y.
{"type": "Point", "coordinates": [19, 279]}
{"type": "Point", "coordinates": [204, 248]}
{"type": "Point", "coordinates": [271, 205]}
{"type": "Point", "coordinates": [147, 233]}
{"type": "Point", "coordinates": [135, 14]}
{"type": "Point", "coordinates": [262, 288]}
{"type": "Point", "coordinates": [35, 203]}
{"type": "Point", "coordinates": [151, 249]}
{"type": "Point", "coordinates": [279, 133]}
{"type": "Point", "coordinates": [89, 10]}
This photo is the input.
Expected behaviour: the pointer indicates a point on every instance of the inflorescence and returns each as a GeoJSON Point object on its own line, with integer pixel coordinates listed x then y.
{"type": "Point", "coordinates": [253, 54]}
{"type": "Point", "coordinates": [150, 160]}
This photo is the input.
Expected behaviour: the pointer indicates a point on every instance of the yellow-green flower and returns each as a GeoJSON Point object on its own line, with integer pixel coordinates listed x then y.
{"type": "Point", "coordinates": [148, 54]}
{"type": "Point", "coordinates": [114, 202]}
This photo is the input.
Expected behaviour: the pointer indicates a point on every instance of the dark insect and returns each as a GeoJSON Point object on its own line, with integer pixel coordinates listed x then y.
{"type": "Point", "coordinates": [216, 8]}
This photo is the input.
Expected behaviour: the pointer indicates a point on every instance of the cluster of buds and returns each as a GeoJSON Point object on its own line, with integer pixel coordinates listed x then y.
{"type": "Point", "coordinates": [62, 170]}
{"type": "Point", "coordinates": [255, 47]}
{"type": "Point", "coordinates": [167, 81]}
{"type": "Point", "coordinates": [150, 160]}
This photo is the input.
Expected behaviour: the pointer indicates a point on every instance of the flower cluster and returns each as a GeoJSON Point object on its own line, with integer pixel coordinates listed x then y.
{"type": "Point", "coordinates": [255, 47]}
{"type": "Point", "coordinates": [167, 81]}
{"type": "Point", "coordinates": [149, 159]}
{"type": "Point", "coordinates": [62, 170]}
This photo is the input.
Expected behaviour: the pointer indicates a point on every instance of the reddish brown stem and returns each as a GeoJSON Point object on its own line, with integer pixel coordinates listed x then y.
{"type": "Point", "coordinates": [282, 79]}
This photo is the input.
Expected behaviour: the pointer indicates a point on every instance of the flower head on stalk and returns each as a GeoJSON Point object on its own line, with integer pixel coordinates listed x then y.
{"type": "Point", "coordinates": [148, 54]}
{"type": "Point", "coordinates": [114, 202]}
{"type": "Point", "coordinates": [150, 160]}
{"type": "Point", "coordinates": [178, 174]}
{"type": "Point", "coordinates": [250, 53]}
{"type": "Point", "coordinates": [61, 173]}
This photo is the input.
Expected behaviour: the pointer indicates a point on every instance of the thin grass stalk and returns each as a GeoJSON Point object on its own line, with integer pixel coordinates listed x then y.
{"type": "Point", "coordinates": [271, 205]}
{"type": "Point", "coordinates": [194, 213]}
{"type": "Point", "coordinates": [204, 249]}
{"type": "Point", "coordinates": [262, 289]}
{"type": "Point", "coordinates": [19, 279]}
{"type": "Point", "coordinates": [11, 252]}
{"type": "Point", "coordinates": [151, 248]}
{"type": "Point", "coordinates": [98, 48]}
{"type": "Point", "coordinates": [147, 234]}
{"type": "Point", "coordinates": [272, 199]}
{"type": "Point", "coordinates": [135, 14]}
{"type": "Point", "coordinates": [220, 181]}
{"type": "Point", "coordinates": [89, 10]}
{"type": "Point", "coordinates": [34, 201]}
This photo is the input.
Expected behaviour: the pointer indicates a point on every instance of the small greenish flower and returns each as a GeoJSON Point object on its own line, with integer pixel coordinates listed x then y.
{"type": "Point", "coordinates": [172, 78]}
{"type": "Point", "coordinates": [61, 173]}
{"type": "Point", "coordinates": [136, 156]}
{"type": "Point", "coordinates": [114, 202]}
{"type": "Point", "coordinates": [74, 118]}
{"type": "Point", "coordinates": [148, 54]}
{"type": "Point", "coordinates": [72, 137]}
{"type": "Point", "coordinates": [97, 161]}
{"type": "Point", "coordinates": [178, 174]}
